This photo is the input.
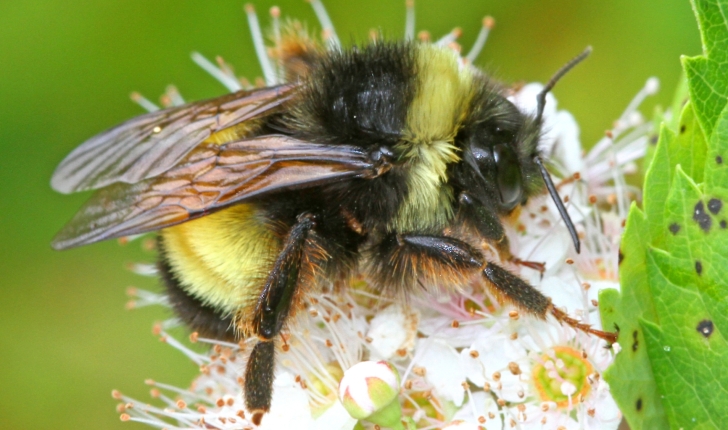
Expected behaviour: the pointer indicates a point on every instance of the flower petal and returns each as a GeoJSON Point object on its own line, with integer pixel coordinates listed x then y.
{"type": "Point", "coordinates": [392, 329]}
{"type": "Point", "coordinates": [442, 367]}
{"type": "Point", "coordinates": [480, 406]}
{"type": "Point", "coordinates": [334, 418]}
{"type": "Point", "coordinates": [289, 407]}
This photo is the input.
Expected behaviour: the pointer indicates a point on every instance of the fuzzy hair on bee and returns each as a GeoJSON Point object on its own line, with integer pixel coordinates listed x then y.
{"type": "Point", "coordinates": [394, 161]}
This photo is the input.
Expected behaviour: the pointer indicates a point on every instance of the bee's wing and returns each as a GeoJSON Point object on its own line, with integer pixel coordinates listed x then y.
{"type": "Point", "coordinates": [210, 178]}
{"type": "Point", "coordinates": [151, 144]}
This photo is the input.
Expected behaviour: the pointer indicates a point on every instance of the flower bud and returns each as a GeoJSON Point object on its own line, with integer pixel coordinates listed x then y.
{"type": "Point", "coordinates": [462, 425]}
{"type": "Point", "coordinates": [369, 390]}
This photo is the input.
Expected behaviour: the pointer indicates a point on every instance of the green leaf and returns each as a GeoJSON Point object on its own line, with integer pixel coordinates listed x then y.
{"type": "Point", "coordinates": [687, 349]}
{"type": "Point", "coordinates": [680, 98]}
{"type": "Point", "coordinates": [630, 376]}
{"type": "Point", "coordinates": [707, 73]}
{"type": "Point", "coordinates": [672, 312]}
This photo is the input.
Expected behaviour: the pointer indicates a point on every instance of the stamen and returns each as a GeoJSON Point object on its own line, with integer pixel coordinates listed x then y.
{"type": "Point", "coordinates": [449, 38]}
{"type": "Point", "coordinates": [259, 44]}
{"type": "Point", "coordinates": [619, 185]}
{"type": "Point", "coordinates": [275, 13]}
{"type": "Point", "coordinates": [175, 98]}
{"type": "Point", "coordinates": [488, 24]}
{"type": "Point", "coordinates": [142, 298]}
{"type": "Point", "coordinates": [409, 24]}
{"type": "Point", "coordinates": [144, 102]}
{"type": "Point", "coordinates": [373, 35]}
{"type": "Point", "coordinates": [650, 88]}
{"type": "Point", "coordinates": [225, 67]}
{"type": "Point", "coordinates": [326, 24]}
{"type": "Point", "coordinates": [143, 269]}
{"type": "Point", "coordinates": [231, 84]}
{"type": "Point", "coordinates": [197, 358]}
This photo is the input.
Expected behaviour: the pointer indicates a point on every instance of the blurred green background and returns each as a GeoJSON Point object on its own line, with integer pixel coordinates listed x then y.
{"type": "Point", "coordinates": [66, 70]}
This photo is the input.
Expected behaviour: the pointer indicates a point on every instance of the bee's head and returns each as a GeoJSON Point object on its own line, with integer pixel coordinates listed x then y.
{"type": "Point", "coordinates": [499, 144]}
{"type": "Point", "coordinates": [501, 162]}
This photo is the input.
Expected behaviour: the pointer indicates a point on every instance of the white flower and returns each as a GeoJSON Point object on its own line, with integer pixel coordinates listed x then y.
{"type": "Point", "coordinates": [466, 360]}
{"type": "Point", "coordinates": [439, 364]}
{"type": "Point", "coordinates": [482, 409]}
{"type": "Point", "coordinates": [290, 408]}
{"type": "Point", "coordinates": [392, 332]}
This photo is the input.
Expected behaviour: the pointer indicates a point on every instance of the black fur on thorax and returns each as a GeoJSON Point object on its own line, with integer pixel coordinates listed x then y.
{"type": "Point", "coordinates": [359, 96]}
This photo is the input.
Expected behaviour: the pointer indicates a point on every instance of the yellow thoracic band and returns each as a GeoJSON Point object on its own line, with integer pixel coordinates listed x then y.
{"type": "Point", "coordinates": [443, 93]}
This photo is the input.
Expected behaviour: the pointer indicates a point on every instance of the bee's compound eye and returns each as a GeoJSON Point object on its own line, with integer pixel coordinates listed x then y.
{"type": "Point", "coordinates": [483, 155]}
{"type": "Point", "coordinates": [508, 175]}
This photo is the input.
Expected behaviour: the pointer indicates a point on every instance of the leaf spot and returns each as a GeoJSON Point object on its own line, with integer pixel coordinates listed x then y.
{"type": "Point", "coordinates": [674, 228]}
{"type": "Point", "coordinates": [719, 159]}
{"type": "Point", "coordinates": [698, 267]}
{"type": "Point", "coordinates": [705, 327]}
{"type": "Point", "coordinates": [714, 206]}
{"type": "Point", "coordinates": [635, 341]}
{"type": "Point", "coordinates": [701, 217]}
{"type": "Point", "coordinates": [638, 405]}
{"type": "Point", "coordinates": [620, 257]}
{"type": "Point", "coordinates": [682, 129]}
{"type": "Point", "coordinates": [723, 224]}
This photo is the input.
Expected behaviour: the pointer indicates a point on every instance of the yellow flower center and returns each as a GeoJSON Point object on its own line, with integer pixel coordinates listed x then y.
{"type": "Point", "coordinates": [562, 375]}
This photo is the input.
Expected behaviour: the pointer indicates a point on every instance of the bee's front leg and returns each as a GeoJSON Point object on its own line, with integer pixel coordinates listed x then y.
{"type": "Point", "coordinates": [407, 259]}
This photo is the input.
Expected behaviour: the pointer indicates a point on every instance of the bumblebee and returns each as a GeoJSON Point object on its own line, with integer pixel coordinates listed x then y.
{"type": "Point", "coordinates": [393, 161]}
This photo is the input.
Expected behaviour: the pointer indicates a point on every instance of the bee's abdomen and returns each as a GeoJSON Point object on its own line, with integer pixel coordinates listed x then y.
{"type": "Point", "coordinates": [199, 317]}
{"type": "Point", "coordinates": [223, 259]}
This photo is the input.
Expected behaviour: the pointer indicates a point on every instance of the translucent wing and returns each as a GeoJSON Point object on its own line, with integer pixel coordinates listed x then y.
{"type": "Point", "coordinates": [149, 145]}
{"type": "Point", "coordinates": [210, 178]}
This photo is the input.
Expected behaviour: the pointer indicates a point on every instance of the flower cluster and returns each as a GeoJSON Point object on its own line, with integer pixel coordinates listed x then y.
{"type": "Point", "coordinates": [457, 361]}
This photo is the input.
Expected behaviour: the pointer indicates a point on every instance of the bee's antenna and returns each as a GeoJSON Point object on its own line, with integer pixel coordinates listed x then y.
{"type": "Point", "coordinates": [541, 100]}
{"type": "Point", "coordinates": [559, 204]}
{"type": "Point", "coordinates": [541, 97]}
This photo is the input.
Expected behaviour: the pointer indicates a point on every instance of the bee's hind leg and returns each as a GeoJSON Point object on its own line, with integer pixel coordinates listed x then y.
{"type": "Point", "coordinates": [271, 312]}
